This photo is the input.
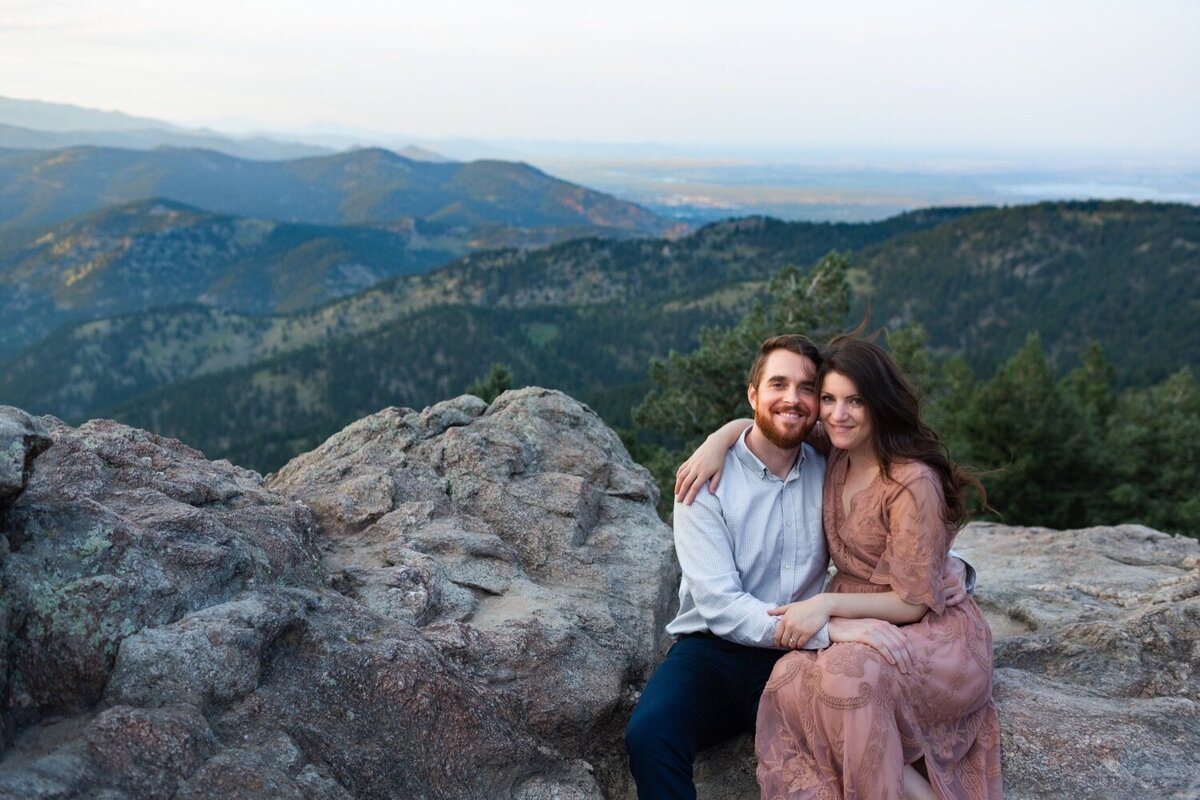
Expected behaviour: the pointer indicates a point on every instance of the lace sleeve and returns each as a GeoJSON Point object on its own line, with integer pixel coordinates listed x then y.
{"type": "Point", "coordinates": [917, 543]}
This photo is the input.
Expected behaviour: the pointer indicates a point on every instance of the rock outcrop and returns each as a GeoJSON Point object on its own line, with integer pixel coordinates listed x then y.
{"type": "Point", "coordinates": [463, 603]}
{"type": "Point", "coordinates": [1097, 647]}
{"type": "Point", "coordinates": [22, 439]}
{"type": "Point", "coordinates": [1097, 651]}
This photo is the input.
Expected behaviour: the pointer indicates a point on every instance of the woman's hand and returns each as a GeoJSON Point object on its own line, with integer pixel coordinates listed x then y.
{"type": "Point", "coordinates": [707, 463]}
{"type": "Point", "coordinates": [885, 637]}
{"type": "Point", "coordinates": [703, 466]}
{"type": "Point", "coordinates": [800, 621]}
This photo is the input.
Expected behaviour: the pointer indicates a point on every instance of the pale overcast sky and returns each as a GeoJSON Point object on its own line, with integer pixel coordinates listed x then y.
{"type": "Point", "coordinates": [1010, 74]}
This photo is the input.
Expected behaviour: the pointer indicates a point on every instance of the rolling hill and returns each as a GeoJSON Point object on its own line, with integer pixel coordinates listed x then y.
{"type": "Point", "coordinates": [585, 316]}
{"type": "Point", "coordinates": [157, 252]}
{"type": "Point", "coordinates": [598, 350]}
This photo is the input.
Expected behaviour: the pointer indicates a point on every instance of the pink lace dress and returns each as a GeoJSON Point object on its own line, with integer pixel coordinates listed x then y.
{"type": "Point", "coordinates": [842, 723]}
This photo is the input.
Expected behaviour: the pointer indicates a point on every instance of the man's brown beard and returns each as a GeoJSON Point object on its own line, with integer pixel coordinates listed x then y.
{"type": "Point", "coordinates": [762, 419]}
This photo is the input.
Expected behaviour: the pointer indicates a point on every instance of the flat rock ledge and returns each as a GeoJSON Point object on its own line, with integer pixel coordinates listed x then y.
{"type": "Point", "coordinates": [1097, 647]}
{"type": "Point", "coordinates": [464, 602]}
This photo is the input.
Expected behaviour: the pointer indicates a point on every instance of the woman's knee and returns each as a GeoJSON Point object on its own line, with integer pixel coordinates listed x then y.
{"type": "Point", "coordinates": [851, 670]}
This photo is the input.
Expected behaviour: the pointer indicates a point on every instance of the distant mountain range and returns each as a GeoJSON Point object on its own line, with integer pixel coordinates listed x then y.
{"type": "Point", "coordinates": [16, 138]}
{"type": "Point", "coordinates": [87, 232]}
{"type": "Point", "coordinates": [585, 316]}
{"type": "Point", "coordinates": [39, 188]}
{"type": "Point", "coordinates": [36, 125]}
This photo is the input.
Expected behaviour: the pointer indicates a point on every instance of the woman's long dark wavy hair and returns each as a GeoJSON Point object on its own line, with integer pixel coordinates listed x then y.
{"type": "Point", "coordinates": [897, 430]}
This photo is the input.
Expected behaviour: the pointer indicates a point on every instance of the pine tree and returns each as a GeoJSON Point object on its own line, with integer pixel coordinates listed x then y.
{"type": "Point", "coordinates": [496, 382]}
{"type": "Point", "coordinates": [697, 392]}
{"type": "Point", "coordinates": [1035, 441]}
{"type": "Point", "coordinates": [1154, 441]}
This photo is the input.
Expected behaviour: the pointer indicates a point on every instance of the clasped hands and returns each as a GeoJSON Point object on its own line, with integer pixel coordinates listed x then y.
{"type": "Point", "coordinates": [801, 620]}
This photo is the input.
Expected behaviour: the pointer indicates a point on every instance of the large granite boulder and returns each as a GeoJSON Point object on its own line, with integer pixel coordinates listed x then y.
{"type": "Point", "coordinates": [1097, 651]}
{"type": "Point", "coordinates": [522, 543]}
{"type": "Point", "coordinates": [454, 603]}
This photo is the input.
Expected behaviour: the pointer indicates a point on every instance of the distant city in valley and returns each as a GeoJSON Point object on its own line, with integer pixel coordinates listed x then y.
{"type": "Point", "coordinates": [701, 191]}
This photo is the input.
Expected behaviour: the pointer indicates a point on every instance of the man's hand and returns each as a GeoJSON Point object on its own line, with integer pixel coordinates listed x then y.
{"type": "Point", "coordinates": [800, 621]}
{"type": "Point", "coordinates": [885, 637]}
{"type": "Point", "coordinates": [954, 581]}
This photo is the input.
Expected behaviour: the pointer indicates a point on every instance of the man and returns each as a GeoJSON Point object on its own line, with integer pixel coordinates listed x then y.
{"type": "Point", "coordinates": [753, 544]}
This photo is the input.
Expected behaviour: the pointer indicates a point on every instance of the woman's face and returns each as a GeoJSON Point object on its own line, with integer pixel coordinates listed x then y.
{"type": "Point", "coordinates": [844, 414]}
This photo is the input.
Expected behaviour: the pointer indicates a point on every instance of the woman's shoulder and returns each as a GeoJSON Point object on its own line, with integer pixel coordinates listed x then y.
{"type": "Point", "coordinates": [908, 473]}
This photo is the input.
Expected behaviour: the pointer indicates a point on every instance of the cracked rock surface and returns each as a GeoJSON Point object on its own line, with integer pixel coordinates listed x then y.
{"type": "Point", "coordinates": [454, 603]}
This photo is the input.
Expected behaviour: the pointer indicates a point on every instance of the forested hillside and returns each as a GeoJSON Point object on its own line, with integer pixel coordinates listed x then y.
{"type": "Point", "coordinates": [157, 252]}
{"type": "Point", "coordinates": [1123, 274]}
{"type": "Point", "coordinates": [587, 316]}
{"type": "Point", "coordinates": [85, 370]}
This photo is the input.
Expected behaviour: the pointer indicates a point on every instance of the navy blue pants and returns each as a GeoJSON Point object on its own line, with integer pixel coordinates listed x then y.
{"type": "Point", "coordinates": [704, 692]}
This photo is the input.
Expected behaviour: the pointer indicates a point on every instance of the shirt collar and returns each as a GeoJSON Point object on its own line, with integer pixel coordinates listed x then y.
{"type": "Point", "coordinates": [754, 463]}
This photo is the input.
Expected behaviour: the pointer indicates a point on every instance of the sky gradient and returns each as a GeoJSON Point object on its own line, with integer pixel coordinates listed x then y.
{"type": "Point", "coordinates": [1096, 76]}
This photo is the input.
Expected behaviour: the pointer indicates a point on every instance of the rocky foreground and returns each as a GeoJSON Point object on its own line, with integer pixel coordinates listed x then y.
{"type": "Point", "coordinates": [463, 603]}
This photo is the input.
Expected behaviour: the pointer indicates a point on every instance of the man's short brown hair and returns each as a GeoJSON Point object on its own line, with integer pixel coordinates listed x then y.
{"type": "Point", "coordinates": [793, 343]}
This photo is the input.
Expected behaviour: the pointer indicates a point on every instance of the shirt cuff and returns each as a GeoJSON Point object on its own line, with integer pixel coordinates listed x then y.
{"type": "Point", "coordinates": [820, 639]}
{"type": "Point", "coordinates": [971, 576]}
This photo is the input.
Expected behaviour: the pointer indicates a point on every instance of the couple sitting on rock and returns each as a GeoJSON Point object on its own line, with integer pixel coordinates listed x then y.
{"type": "Point", "coordinates": [878, 687]}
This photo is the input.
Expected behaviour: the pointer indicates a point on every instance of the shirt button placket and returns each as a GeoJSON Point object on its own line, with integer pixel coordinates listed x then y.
{"type": "Point", "coordinates": [789, 552]}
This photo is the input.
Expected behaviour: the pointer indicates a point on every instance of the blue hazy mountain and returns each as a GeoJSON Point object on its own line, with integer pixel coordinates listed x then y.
{"type": "Point", "coordinates": [39, 188]}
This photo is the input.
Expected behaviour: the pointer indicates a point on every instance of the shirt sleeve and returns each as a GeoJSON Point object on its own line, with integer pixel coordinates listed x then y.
{"type": "Point", "coordinates": [703, 546]}
{"type": "Point", "coordinates": [917, 543]}
{"type": "Point", "coordinates": [820, 639]}
{"type": "Point", "coordinates": [972, 577]}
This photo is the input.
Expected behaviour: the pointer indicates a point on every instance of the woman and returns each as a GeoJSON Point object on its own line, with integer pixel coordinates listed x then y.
{"type": "Point", "coordinates": [844, 722]}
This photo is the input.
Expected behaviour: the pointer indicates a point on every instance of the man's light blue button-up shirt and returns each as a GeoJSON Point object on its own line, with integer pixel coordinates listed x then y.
{"type": "Point", "coordinates": [754, 545]}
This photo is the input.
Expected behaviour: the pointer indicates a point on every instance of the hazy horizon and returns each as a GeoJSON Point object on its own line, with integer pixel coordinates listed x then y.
{"type": "Point", "coordinates": [1096, 80]}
